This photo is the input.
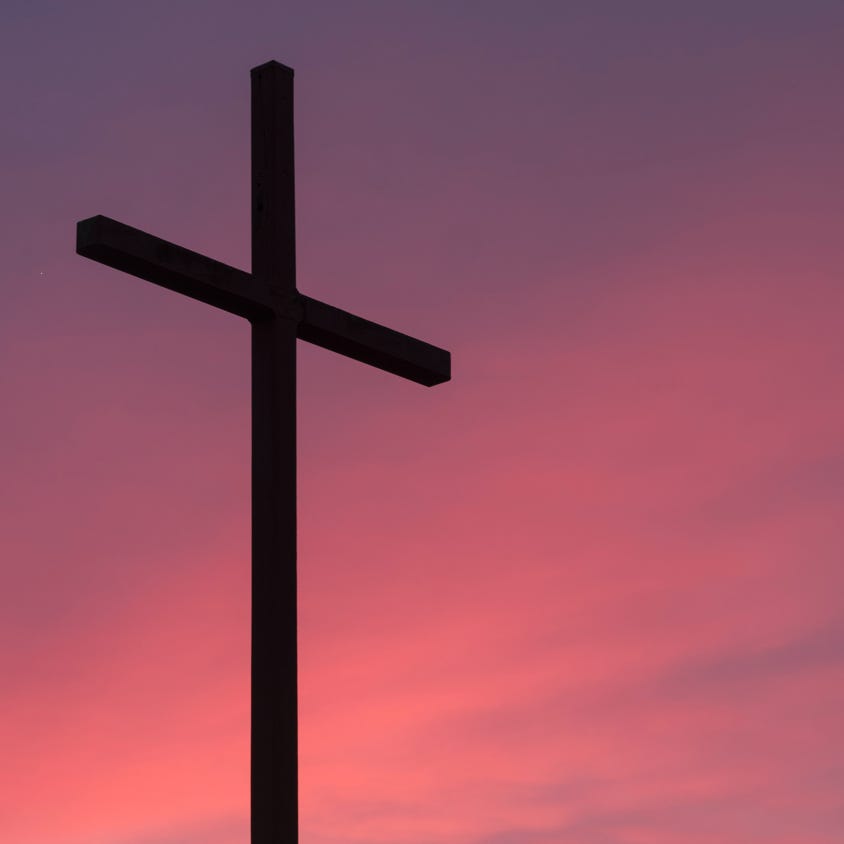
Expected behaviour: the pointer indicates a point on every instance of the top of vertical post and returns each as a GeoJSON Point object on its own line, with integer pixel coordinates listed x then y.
{"type": "Point", "coordinates": [273, 184]}
{"type": "Point", "coordinates": [271, 66]}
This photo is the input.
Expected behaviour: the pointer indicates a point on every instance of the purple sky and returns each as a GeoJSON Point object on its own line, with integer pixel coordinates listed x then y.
{"type": "Point", "coordinates": [590, 591]}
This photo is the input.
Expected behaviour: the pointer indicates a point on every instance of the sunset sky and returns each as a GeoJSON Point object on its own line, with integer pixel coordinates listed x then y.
{"type": "Point", "coordinates": [591, 591]}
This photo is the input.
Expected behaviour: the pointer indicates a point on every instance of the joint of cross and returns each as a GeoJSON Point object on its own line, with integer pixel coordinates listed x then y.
{"type": "Point", "coordinates": [288, 305]}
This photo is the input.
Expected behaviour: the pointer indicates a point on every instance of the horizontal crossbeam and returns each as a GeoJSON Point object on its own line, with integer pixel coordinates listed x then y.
{"type": "Point", "coordinates": [358, 338]}
{"type": "Point", "coordinates": [176, 268]}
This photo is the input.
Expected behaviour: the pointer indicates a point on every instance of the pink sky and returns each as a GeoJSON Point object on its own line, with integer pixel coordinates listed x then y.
{"type": "Point", "coordinates": [590, 591]}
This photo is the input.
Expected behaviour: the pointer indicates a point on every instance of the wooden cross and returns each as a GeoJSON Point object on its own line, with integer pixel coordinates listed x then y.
{"type": "Point", "coordinates": [268, 298]}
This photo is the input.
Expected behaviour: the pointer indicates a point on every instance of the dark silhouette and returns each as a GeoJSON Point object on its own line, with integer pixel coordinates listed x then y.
{"type": "Point", "coordinates": [279, 314]}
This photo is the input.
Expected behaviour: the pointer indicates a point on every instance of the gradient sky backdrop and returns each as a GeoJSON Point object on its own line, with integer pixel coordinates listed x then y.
{"type": "Point", "coordinates": [589, 592]}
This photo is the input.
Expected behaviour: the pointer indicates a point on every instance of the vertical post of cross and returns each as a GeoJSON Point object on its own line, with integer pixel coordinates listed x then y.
{"type": "Point", "coordinates": [274, 727]}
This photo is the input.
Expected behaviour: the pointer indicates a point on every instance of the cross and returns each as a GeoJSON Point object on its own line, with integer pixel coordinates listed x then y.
{"type": "Point", "coordinates": [268, 298]}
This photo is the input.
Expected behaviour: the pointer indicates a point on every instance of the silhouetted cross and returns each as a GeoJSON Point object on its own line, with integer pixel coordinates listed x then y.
{"type": "Point", "coordinates": [268, 298]}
